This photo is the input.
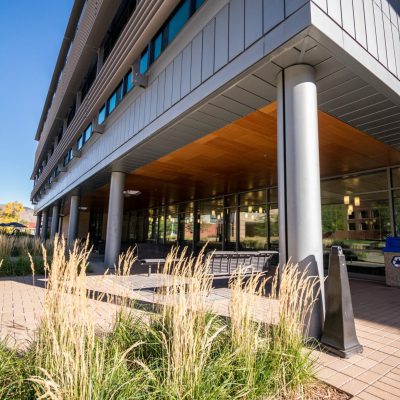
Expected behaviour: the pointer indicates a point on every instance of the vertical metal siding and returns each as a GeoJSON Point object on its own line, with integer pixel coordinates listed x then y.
{"type": "Point", "coordinates": [274, 13]}
{"type": "Point", "coordinates": [221, 38]}
{"type": "Point", "coordinates": [253, 21]}
{"type": "Point", "coordinates": [207, 62]}
{"type": "Point", "coordinates": [236, 28]}
{"type": "Point", "coordinates": [197, 46]}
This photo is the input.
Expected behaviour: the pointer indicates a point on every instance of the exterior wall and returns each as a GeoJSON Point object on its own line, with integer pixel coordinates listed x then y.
{"type": "Point", "coordinates": [219, 43]}
{"type": "Point", "coordinates": [374, 24]}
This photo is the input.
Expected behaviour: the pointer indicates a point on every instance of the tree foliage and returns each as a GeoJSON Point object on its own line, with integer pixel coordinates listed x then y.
{"type": "Point", "coordinates": [11, 212]}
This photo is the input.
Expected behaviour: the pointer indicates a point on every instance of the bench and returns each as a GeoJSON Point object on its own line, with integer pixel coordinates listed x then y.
{"type": "Point", "coordinates": [228, 262]}
{"type": "Point", "coordinates": [152, 255]}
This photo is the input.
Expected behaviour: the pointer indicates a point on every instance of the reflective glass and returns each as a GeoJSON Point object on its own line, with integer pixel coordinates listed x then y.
{"type": "Point", "coordinates": [102, 115]}
{"type": "Point", "coordinates": [157, 46]}
{"type": "Point", "coordinates": [144, 62]}
{"type": "Point", "coordinates": [253, 228]}
{"type": "Point", "coordinates": [211, 223]}
{"type": "Point", "coordinates": [112, 102]}
{"type": "Point", "coordinates": [88, 133]}
{"type": "Point", "coordinates": [128, 82]}
{"type": "Point", "coordinates": [199, 3]}
{"type": "Point", "coordinates": [355, 215]}
{"type": "Point", "coordinates": [178, 20]}
{"type": "Point", "coordinates": [79, 143]}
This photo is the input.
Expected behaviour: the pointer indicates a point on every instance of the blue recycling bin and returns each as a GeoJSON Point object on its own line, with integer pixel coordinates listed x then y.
{"type": "Point", "coordinates": [392, 261]}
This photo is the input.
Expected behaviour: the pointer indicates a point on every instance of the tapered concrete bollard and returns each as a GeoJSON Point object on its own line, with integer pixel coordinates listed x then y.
{"type": "Point", "coordinates": [339, 333]}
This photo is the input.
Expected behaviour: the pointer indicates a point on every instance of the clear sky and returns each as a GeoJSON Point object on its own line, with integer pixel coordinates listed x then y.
{"type": "Point", "coordinates": [31, 32]}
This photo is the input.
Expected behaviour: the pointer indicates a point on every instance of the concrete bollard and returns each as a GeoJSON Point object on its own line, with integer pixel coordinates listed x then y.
{"type": "Point", "coordinates": [339, 333]}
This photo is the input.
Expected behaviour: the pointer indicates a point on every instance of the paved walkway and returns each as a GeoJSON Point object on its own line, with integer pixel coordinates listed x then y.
{"type": "Point", "coordinates": [375, 374]}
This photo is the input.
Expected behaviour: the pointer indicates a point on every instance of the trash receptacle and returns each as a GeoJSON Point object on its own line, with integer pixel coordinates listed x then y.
{"type": "Point", "coordinates": [392, 261]}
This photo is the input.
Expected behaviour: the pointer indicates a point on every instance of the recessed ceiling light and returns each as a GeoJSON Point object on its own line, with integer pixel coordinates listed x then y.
{"type": "Point", "coordinates": [131, 192]}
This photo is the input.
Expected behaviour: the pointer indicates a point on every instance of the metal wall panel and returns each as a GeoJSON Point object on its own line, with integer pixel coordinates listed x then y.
{"type": "Point", "coordinates": [253, 21]}
{"type": "Point", "coordinates": [236, 28]}
{"type": "Point", "coordinates": [160, 93]}
{"type": "Point", "coordinates": [207, 61]}
{"type": "Point", "coordinates": [370, 24]}
{"type": "Point", "coordinates": [197, 46]}
{"type": "Point", "coordinates": [359, 22]}
{"type": "Point", "coordinates": [292, 5]}
{"type": "Point", "coordinates": [335, 10]}
{"type": "Point", "coordinates": [348, 17]}
{"type": "Point", "coordinates": [380, 35]}
{"type": "Point", "coordinates": [153, 108]}
{"type": "Point", "coordinates": [168, 86]}
{"type": "Point", "coordinates": [176, 79]}
{"type": "Point", "coordinates": [186, 67]}
{"type": "Point", "coordinates": [274, 13]}
{"type": "Point", "coordinates": [221, 38]}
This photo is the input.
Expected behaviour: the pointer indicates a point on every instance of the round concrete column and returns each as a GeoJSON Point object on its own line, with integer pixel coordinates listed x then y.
{"type": "Point", "coordinates": [73, 220]}
{"type": "Point", "coordinates": [54, 221]}
{"type": "Point", "coordinates": [45, 218]}
{"type": "Point", "coordinates": [114, 219]}
{"type": "Point", "coordinates": [300, 230]}
{"type": "Point", "coordinates": [38, 223]}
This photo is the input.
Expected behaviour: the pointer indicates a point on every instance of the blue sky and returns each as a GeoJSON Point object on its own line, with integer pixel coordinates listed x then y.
{"type": "Point", "coordinates": [30, 37]}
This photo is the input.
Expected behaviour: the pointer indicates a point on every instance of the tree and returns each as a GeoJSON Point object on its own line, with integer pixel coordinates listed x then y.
{"type": "Point", "coordinates": [11, 212]}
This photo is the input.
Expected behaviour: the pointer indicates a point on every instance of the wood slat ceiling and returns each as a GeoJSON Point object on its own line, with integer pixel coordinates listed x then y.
{"type": "Point", "coordinates": [242, 156]}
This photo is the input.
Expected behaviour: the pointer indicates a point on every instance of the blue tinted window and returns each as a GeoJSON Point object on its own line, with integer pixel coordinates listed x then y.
{"type": "Point", "coordinates": [66, 160]}
{"type": "Point", "coordinates": [119, 93]}
{"type": "Point", "coordinates": [178, 20]}
{"type": "Point", "coordinates": [112, 102]}
{"type": "Point", "coordinates": [144, 61]}
{"type": "Point", "coordinates": [157, 46]}
{"type": "Point", "coordinates": [88, 133]}
{"type": "Point", "coordinates": [128, 82]}
{"type": "Point", "coordinates": [102, 115]}
{"type": "Point", "coordinates": [199, 3]}
{"type": "Point", "coordinates": [79, 143]}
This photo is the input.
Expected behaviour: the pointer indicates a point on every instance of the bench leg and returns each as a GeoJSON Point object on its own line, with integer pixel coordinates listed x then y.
{"type": "Point", "coordinates": [149, 271]}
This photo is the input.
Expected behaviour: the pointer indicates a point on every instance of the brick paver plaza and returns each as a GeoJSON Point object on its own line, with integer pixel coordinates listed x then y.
{"type": "Point", "coordinates": [375, 374]}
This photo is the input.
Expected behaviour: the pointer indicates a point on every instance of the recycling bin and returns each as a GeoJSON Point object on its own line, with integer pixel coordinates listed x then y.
{"type": "Point", "coordinates": [392, 261]}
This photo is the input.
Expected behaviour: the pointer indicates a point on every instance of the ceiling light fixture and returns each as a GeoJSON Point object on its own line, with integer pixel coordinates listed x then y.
{"type": "Point", "coordinates": [131, 192]}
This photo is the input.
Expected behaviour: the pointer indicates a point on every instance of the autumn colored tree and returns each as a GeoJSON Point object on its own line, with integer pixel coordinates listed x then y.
{"type": "Point", "coordinates": [11, 212]}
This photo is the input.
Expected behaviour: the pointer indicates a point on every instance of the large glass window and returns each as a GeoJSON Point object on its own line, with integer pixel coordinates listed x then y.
{"type": "Point", "coordinates": [178, 20]}
{"type": "Point", "coordinates": [253, 221]}
{"type": "Point", "coordinates": [112, 102]}
{"type": "Point", "coordinates": [79, 142]}
{"type": "Point", "coordinates": [144, 61]}
{"type": "Point", "coordinates": [211, 223]}
{"type": "Point", "coordinates": [355, 215]}
{"type": "Point", "coordinates": [102, 115]}
{"type": "Point", "coordinates": [157, 46]}
{"type": "Point", "coordinates": [128, 82]}
{"type": "Point", "coordinates": [88, 133]}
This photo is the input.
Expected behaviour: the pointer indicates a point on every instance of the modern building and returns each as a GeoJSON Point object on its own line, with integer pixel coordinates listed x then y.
{"type": "Point", "coordinates": [193, 121]}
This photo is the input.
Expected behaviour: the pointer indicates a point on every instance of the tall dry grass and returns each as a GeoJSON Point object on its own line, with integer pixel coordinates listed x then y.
{"type": "Point", "coordinates": [72, 361]}
{"type": "Point", "coordinates": [182, 351]}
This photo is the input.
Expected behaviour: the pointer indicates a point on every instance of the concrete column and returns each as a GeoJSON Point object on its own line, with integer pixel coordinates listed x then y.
{"type": "Point", "coordinates": [300, 228]}
{"type": "Point", "coordinates": [54, 221]}
{"type": "Point", "coordinates": [45, 218]}
{"type": "Point", "coordinates": [38, 223]}
{"type": "Point", "coordinates": [73, 219]}
{"type": "Point", "coordinates": [114, 219]}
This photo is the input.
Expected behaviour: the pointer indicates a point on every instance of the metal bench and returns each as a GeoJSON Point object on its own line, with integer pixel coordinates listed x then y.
{"type": "Point", "coordinates": [228, 262]}
{"type": "Point", "coordinates": [152, 255]}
